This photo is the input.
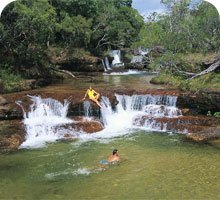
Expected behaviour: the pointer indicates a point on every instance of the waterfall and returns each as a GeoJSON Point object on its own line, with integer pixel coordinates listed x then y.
{"type": "Point", "coordinates": [19, 103]}
{"type": "Point", "coordinates": [43, 123]}
{"type": "Point", "coordinates": [138, 111]}
{"type": "Point", "coordinates": [87, 109]}
{"type": "Point", "coordinates": [46, 120]}
{"type": "Point", "coordinates": [137, 102]}
{"type": "Point", "coordinates": [144, 52]}
{"type": "Point", "coordinates": [117, 58]}
{"type": "Point", "coordinates": [105, 63]}
{"type": "Point", "coordinates": [137, 59]}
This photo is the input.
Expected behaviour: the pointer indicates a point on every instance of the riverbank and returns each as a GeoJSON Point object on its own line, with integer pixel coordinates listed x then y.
{"type": "Point", "coordinates": [179, 70]}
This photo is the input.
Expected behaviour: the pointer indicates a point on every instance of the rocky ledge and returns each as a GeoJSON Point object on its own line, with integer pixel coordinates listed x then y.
{"type": "Point", "coordinates": [12, 132]}
{"type": "Point", "coordinates": [200, 128]}
{"type": "Point", "coordinates": [208, 135]}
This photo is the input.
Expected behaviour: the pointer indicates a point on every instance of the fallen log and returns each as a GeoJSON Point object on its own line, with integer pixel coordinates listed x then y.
{"type": "Point", "coordinates": [183, 72]}
{"type": "Point", "coordinates": [212, 68]}
{"type": "Point", "coordinates": [65, 72]}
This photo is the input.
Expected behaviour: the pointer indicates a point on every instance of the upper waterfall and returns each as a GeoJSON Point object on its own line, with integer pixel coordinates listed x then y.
{"type": "Point", "coordinates": [117, 58]}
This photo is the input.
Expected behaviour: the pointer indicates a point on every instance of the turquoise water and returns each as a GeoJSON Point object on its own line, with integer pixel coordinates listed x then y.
{"type": "Point", "coordinates": [154, 166]}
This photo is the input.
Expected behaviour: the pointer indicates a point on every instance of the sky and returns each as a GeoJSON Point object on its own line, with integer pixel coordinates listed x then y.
{"type": "Point", "coordinates": [145, 7]}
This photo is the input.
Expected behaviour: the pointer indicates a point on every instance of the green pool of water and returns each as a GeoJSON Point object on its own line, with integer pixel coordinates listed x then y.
{"type": "Point", "coordinates": [155, 166]}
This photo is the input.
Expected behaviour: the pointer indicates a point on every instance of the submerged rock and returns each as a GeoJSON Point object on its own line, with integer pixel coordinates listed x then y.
{"type": "Point", "coordinates": [206, 135]}
{"type": "Point", "coordinates": [11, 135]}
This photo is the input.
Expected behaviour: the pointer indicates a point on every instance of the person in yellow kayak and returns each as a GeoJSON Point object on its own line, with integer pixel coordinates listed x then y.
{"type": "Point", "coordinates": [93, 95]}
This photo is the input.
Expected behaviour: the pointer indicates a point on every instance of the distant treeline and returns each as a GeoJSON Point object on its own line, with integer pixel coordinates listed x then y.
{"type": "Point", "coordinates": [184, 28]}
{"type": "Point", "coordinates": [29, 27]}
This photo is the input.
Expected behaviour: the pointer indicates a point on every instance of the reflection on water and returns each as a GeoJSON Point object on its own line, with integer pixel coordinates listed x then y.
{"type": "Point", "coordinates": [157, 166]}
{"type": "Point", "coordinates": [135, 81]}
{"type": "Point", "coordinates": [116, 80]}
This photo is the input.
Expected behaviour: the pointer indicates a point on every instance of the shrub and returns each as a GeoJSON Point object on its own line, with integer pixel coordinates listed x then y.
{"type": "Point", "coordinates": [9, 82]}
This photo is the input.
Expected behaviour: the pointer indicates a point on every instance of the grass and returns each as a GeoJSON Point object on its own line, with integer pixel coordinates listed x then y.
{"type": "Point", "coordinates": [168, 63]}
{"type": "Point", "coordinates": [208, 82]}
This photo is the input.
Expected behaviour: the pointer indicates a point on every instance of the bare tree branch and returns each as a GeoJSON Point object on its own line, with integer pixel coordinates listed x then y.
{"type": "Point", "coordinates": [212, 68]}
{"type": "Point", "coordinates": [65, 72]}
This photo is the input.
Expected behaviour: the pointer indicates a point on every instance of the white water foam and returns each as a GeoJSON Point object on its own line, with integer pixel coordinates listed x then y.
{"type": "Point", "coordinates": [69, 172]}
{"type": "Point", "coordinates": [129, 112]}
{"type": "Point", "coordinates": [129, 72]}
{"type": "Point", "coordinates": [44, 121]}
{"type": "Point", "coordinates": [117, 58]}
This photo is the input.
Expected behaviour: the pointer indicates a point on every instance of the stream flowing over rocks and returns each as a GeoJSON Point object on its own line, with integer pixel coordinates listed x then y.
{"type": "Point", "coordinates": [159, 110]}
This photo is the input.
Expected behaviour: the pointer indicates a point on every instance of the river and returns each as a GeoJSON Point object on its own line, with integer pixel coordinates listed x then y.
{"type": "Point", "coordinates": [155, 164]}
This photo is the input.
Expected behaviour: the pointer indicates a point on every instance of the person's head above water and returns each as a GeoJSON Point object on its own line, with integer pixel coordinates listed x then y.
{"type": "Point", "coordinates": [115, 151]}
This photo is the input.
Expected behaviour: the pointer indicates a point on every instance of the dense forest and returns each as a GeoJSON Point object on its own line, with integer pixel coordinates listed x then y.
{"type": "Point", "coordinates": [29, 30]}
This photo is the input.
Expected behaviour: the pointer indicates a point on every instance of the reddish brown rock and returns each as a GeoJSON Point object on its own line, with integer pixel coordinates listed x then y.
{"type": "Point", "coordinates": [87, 126]}
{"type": "Point", "coordinates": [192, 124]}
{"type": "Point", "coordinates": [11, 135]}
{"type": "Point", "coordinates": [206, 135]}
{"type": "Point", "coordinates": [14, 141]}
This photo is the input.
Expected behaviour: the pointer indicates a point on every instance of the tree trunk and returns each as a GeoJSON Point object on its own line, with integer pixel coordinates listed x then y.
{"type": "Point", "coordinates": [65, 72]}
{"type": "Point", "coordinates": [212, 68]}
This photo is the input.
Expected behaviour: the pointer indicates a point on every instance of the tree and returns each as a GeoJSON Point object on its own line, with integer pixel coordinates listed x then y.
{"type": "Point", "coordinates": [74, 31]}
{"type": "Point", "coordinates": [116, 26]}
{"type": "Point", "coordinates": [30, 27]}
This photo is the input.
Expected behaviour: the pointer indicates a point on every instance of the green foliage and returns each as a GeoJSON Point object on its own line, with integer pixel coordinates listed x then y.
{"type": "Point", "coordinates": [9, 82]}
{"type": "Point", "coordinates": [183, 29]}
{"type": "Point", "coordinates": [208, 82]}
{"type": "Point", "coordinates": [216, 114]}
{"type": "Point", "coordinates": [29, 28]}
{"type": "Point", "coordinates": [168, 61]}
{"type": "Point", "coordinates": [116, 26]}
{"type": "Point", "coordinates": [75, 31]}
{"type": "Point", "coordinates": [165, 77]}
{"type": "Point", "coordinates": [85, 8]}
{"type": "Point", "coordinates": [188, 62]}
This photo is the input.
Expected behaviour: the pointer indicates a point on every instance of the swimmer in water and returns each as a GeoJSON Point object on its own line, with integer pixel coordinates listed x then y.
{"type": "Point", "coordinates": [113, 158]}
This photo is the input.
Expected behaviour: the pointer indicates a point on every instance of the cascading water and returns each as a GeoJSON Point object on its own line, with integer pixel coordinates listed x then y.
{"type": "Point", "coordinates": [144, 52]}
{"type": "Point", "coordinates": [106, 65]}
{"type": "Point", "coordinates": [137, 59]}
{"type": "Point", "coordinates": [117, 58]}
{"type": "Point", "coordinates": [87, 109]}
{"type": "Point", "coordinates": [44, 121]}
{"type": "Point", "coordinates": [137, 111]}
